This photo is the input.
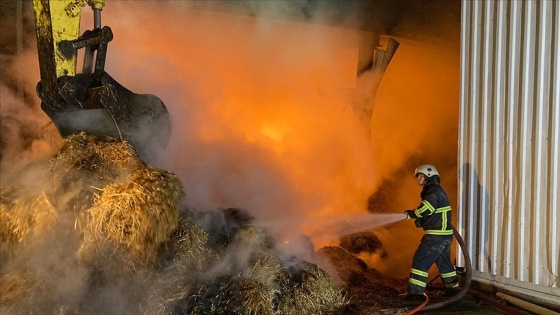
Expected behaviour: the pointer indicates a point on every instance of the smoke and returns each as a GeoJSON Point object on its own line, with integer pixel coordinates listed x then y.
{"type": "Point", "coordinates": [22, 140]}
{"type": "Point", "coordinates": [262, 121]}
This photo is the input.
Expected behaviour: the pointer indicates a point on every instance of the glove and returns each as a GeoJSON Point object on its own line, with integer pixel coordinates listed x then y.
{"type": "Point", "coordinates": [410, 214]}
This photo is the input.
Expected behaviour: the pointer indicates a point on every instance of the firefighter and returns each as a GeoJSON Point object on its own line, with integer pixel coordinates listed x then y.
{"type": "Point", "coordinates": [434, 216]}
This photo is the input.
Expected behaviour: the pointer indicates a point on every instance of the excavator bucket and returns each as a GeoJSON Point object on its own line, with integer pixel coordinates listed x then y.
{"type": "Point", "coordinates": [92, 101]}
{"type": "Point", "coordinates": [98, 105]}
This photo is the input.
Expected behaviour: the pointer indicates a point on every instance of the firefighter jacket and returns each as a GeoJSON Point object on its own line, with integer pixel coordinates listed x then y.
{"type": "Point", "coordinates": [434, 212]}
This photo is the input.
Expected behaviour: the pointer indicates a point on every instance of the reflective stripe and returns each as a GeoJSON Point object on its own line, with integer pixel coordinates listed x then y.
{"type": "Point", "coordinates": [417, 282]}
{"type": "Point", "coordinates": [451, 285]}
{"type": "Point", "coordinates": [427, 206]}
{"type": "Point", "coordinates": [439, 232]}
{"type": "Point", "coordinates": [449, 274]}
{"type": "Point", "coordinates": [443, 209]}
{"type": "Point", "coordinates": [419, 272]}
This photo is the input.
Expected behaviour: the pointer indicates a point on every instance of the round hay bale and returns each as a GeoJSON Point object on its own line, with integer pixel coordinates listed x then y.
{"type": "Point", "coordinates": [139, 213]}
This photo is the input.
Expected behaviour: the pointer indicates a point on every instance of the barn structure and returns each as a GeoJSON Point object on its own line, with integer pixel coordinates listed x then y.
{"type": "Point", "coordinates": [509, 145]}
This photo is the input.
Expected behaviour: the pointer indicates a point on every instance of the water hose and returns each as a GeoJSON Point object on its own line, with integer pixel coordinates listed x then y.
{"type": "Point", "coordinates": [466, 285]}
{"type": "Point", "coordinates": [419, 307]}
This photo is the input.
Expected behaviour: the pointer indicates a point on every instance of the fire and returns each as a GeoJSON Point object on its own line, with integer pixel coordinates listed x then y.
{"type": "Point", "coordinates": [275, 134]}
{"type": "Point", "coordinates": [273, 97]}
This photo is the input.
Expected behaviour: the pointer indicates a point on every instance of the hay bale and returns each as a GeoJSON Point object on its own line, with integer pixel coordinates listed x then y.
{"type": "Point", "coordinates": [138, 213]}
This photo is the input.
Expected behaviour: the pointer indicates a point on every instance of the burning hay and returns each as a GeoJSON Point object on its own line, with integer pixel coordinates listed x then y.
{"type": "Point", "coordinates": [246, 274]}
{"type": "Point", "coordinates": [267, 287]}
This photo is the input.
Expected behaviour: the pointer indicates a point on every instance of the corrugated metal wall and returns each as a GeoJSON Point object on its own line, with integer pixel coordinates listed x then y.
{"type": "Point", "coordinates": [509, 144]}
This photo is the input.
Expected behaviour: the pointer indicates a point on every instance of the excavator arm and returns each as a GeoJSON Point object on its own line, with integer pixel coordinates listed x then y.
{"type": "Point", "coordinates": [91, 101]}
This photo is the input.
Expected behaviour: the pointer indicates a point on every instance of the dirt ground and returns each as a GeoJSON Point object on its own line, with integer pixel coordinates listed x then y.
{"type": "Point", "coordinates": [371, 292]}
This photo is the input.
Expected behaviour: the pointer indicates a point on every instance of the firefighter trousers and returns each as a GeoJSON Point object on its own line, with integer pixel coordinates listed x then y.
{"type": "Point", "coordinates": [432, 249]}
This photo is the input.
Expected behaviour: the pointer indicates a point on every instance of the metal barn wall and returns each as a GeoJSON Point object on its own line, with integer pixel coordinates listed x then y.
{"type": "Point", "coordinates": [509, 145]}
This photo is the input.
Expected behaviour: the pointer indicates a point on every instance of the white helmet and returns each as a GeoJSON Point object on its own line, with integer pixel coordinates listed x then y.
{"type": "Point", "coordinates": [427, 169]}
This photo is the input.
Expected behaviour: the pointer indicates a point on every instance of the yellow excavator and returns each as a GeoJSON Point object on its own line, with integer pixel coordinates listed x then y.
{"type": "Point", "coordinates": [91, 101]}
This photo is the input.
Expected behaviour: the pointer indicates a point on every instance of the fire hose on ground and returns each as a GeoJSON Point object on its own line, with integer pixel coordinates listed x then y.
{"type": "Point", "coordinates": [465, 288]}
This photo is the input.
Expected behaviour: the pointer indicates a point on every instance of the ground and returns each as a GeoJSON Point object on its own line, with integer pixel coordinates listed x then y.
{"type": "Point", "coordinates": [371, 292]}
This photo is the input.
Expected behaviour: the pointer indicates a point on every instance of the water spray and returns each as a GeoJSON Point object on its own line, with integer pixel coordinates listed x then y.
{"type": "Point", "coordinates": [340, 225]}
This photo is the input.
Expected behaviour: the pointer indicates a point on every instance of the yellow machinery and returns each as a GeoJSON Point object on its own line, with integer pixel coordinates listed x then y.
{"type": "Point", "coordinates": [91, 101]}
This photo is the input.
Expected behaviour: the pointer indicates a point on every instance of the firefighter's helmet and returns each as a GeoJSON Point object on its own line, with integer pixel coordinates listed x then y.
{"type": "Point", "coordinates": [427, 169]}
